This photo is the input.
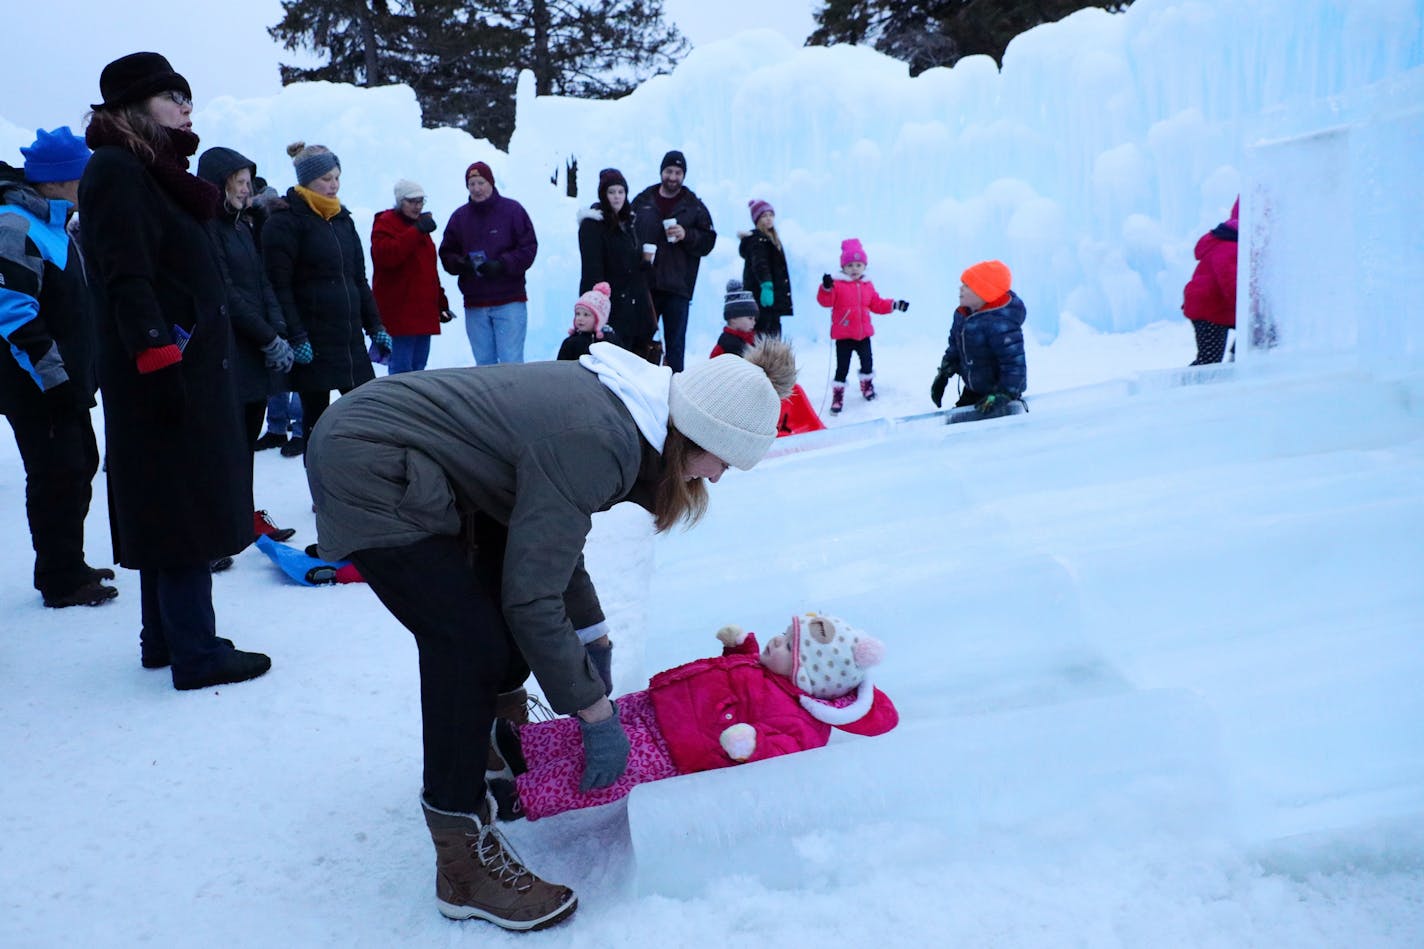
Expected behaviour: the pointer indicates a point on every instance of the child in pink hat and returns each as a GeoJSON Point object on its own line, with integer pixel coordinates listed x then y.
{"type": "Point", "coordinates": [590, 322]}
{"type": "Point", "coordinates": [744, 705]}
{"type": "Point", "coordinates": [852, 299]}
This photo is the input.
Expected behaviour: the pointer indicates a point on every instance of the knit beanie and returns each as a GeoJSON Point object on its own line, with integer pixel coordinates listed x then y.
{"type": "Point", "coordinates": [137, 76]}
{"type": "Point", "coordinates": [598, 302]}
{"type": "Point", "coordinates": [728, 407]}
{"type": "Point", "coordinates": [852, 252]}
{"type": "Point", "coordinates": [311, 161]}
{"type": "Point", "coordinates": [673, 159]}
{"type": "Point", "coordinates": [55, 156]}
{"type": "Point", "coordinates": [738, 302]}
{"type": "Point", "coordinates": [758, 208]}
{"type": "Point", "coordinates": [829, 656]}
{"type": "Point", "coordinates": [481, 169]}
{"type": "Point", "coordinates": [989, 279]}
{"type": "Point", "coordinates": [405, 188]}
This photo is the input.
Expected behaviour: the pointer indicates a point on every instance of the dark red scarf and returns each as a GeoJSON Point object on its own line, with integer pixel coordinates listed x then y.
{"type": "Point", "coordinates": [169, 167]}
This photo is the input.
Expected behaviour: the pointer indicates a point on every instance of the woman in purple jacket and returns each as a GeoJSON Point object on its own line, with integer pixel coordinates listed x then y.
{"type": "Point", "coordinates": [489, 243]}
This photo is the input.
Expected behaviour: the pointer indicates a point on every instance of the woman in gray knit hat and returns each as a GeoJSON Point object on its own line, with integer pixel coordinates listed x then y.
{"type": "Point", "coordinates": [464, 496]}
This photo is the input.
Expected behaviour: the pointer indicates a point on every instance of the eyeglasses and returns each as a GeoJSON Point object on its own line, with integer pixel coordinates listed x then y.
{"type": "Point", "coordinates": [177, 98]}
{"type": "Point", "coordinates": [413, 200]}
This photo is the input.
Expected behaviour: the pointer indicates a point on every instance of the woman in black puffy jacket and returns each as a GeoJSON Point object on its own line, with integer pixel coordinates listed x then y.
{"type": "Point", "coordinates": [764, 273]}
{"type": "Point", "coordinates": [609, 250]}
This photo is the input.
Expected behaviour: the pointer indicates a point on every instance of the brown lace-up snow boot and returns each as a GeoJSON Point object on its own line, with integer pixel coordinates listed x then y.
{"type": "Point", "coordinates": [516, 708]}
{"type": "Point", "coordinates": [479, 876]}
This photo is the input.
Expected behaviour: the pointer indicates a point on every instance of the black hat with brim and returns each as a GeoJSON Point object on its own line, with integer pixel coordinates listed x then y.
{"type": "Point", "coordinates": [136, 77]}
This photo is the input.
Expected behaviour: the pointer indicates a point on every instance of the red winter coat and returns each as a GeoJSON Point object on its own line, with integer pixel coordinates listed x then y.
{"type": "Point", "coordinates": [851, 303]}
{"type": "Point", "coordinates": [1211, 293]}
{"type": "Point", "coordinates": [404, 279]}
{"type": "Point", "coordinates": [694, 703]}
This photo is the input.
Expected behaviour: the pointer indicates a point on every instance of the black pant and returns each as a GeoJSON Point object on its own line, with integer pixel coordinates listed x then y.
{"type": "Point", "coordinates": [1211, 342]}
{"type": "Point", "coordinates": [861, 347]}
{"type": "Point", "coordinates": [450, 601]}
{"type": "Point", "coordinates": [313, 404]}
{"type": "Point", "coordinates": [60, 457]}
{"type": "Point", "coordinates": [768, 324]}
{"type": "Point", "coordinates": [176, 607]}
{"type": "Point", "coordinates": [253, 414]}
{"type": "Point", "coordinates": [673, 311]}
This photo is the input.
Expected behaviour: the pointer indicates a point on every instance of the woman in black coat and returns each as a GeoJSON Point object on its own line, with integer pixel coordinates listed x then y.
{"type": "Point", "coordinates": [765, 273]}
{"type": "Point", "coordinates": [610, 252]}
{"type": "Point", "coordinates": [317, 267]}
{"type": "Point", "coordinates": [180, 491]}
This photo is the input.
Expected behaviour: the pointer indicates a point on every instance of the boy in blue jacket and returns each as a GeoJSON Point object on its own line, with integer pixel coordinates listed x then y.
{"type": "Point", "coordinates": [986, 346]}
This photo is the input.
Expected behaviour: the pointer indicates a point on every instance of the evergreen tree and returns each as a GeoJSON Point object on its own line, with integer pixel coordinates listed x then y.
{"type": "Point", "coordinates": [929, 33]}
{"type": "Point", "coordinates": [463, 57]}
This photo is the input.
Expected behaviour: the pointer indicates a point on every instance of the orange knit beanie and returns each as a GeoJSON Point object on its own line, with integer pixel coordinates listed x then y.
{"type": "Point", "coordinates": [989, 279]}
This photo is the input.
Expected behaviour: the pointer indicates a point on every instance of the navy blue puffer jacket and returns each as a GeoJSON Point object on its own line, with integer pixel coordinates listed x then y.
{"type": "Point", "coordinates": [986, 349]}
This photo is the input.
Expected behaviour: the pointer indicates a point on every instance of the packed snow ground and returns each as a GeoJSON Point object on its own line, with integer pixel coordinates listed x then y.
{"type": "Point", "coordinates": [1156, 646]}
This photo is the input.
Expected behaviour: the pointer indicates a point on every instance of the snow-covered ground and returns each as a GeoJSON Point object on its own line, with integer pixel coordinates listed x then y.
{"type": "Point", "coordinates": [1157, 645]}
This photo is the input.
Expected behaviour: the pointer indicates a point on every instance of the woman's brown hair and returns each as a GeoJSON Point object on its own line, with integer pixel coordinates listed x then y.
{"type": "Point", "coordinates": [677, 498]}
{"type": "Point", "coordinates": [131, 127]}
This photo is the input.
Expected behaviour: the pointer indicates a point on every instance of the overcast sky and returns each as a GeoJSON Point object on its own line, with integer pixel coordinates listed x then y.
{"type": "Point", "coordinates": [55, 49]}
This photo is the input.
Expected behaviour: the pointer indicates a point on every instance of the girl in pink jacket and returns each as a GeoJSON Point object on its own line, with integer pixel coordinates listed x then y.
{"type": "Point", "coordinates": [852, 299]}
{"type": "Point", "coordinates": [744, 705]}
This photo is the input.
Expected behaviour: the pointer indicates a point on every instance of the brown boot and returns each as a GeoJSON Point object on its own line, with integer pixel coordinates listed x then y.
{"type": "Point", "coordinates": [514, 707]}
{"type": "Point", "coordinates": [478, 875]}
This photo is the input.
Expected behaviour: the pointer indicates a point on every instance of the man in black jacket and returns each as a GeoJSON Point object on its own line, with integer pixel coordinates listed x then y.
{"type": "Point", "coordinates": [676, 221]}
{"type": "Point", "coordinates": [47, 374]}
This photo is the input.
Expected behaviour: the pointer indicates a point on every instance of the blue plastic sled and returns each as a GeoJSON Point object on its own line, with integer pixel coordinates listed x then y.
{"type": "Point", "coordinates": [308, 571]}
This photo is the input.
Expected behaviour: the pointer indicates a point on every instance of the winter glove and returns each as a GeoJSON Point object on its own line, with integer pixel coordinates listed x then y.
{"type": "Point", "coordinates": [425, 223]}
{"type": "Point", "coordinates": [605, 752]}
{"type": "Point", "coordinates": [383, 342]}
{"type": "Point", "coordinates": [941, 380]}
{"type": "Point", "coordinates": [767, 296]}
{"type": "Point", "coordinates": [302, 352]}
{"type": "Point", "coordinates": [739, 741]}
{"type": "Point", "coordinates": [826, 281]}
{"type": "Point", "coordinates": [490, 268]}
{"type": "Point", "coordinates": [446, 316]}
{"type": "Point", "coordinates": [730, 636]}
{"type": "Point", "coordinates": [902, 305]}
{"type": "Point", "coordinates": [991, 402]}
{"type": "Point", "coordinates": [278, 354]}
{"type": "Point", "coordinates": [166, 393]}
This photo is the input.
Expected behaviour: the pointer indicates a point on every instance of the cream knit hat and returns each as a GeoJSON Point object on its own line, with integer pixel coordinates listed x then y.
{"type": "Point", "coordinates": [727, 406]}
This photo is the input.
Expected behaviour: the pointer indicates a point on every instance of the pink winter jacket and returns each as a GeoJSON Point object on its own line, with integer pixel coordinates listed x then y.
{"type": "Point", "coordinates": [851, 303]}
{"type": "Point", "coordinates": [1211, 293]}
{"type": "Point", "coordinates": [695, 702]}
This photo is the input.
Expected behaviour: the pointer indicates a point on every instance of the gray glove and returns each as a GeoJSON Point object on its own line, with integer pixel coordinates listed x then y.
{"type": "Point", "coordinates": [278, 354]}
{"type": "Point", "coordinates": [605, 752]}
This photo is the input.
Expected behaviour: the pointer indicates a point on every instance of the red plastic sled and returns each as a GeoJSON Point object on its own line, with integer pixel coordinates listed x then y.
{"type": "Point", "coordinates": [798, 415]}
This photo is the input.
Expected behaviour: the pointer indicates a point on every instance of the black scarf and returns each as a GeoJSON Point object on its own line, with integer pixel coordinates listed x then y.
{"type": "Point", "coordinates": [169, 167]}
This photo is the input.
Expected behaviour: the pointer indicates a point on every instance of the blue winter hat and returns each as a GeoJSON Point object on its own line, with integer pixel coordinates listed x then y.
{"type": "Point", "coordinates": [55, 156]}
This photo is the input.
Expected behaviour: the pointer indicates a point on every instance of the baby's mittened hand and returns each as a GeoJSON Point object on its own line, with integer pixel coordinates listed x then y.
{"type": "Point", "coordinates": [730, 636]}
{"type": "Point", "coordinates": [826, 281]}
{"type": "Point", "coordinates": [902, 305]}
{"type": "Point", "coordinates": [739, 741]}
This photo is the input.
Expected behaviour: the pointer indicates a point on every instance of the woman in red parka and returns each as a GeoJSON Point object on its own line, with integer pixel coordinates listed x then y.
{"type": "Point", "coordinates": [404, 280]}
{"type": "Point", "coordinates": [744, 705]}
{"type": "Point", "coordinates": [1209, 299]}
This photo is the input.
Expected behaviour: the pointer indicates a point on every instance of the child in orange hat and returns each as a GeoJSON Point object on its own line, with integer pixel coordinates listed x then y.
{"type": "Point", "coordinates": [986, 347]}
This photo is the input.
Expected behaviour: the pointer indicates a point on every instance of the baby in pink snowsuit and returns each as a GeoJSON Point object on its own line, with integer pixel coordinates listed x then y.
{"type": "Point", "coordinates": [744, 705]}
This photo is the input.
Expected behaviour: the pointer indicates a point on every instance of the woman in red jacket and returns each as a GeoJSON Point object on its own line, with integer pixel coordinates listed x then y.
{"type": "Point", "coordinates": [1209, 299]}
{"type": "Point", "coordinates": [744, 705]}
{"type": "Point", "coordinates": [404, 280]}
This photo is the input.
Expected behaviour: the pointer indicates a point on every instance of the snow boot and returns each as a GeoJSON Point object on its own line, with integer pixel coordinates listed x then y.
{"type": "Point", "coordinates": [837, 397]}
{"type": "Point", "coordinates": [230, 665]}
{"type": "Point", "coordinates": [219, 565]}
{"type": "Point", "coordinates": [153, 654]}
{"type": "Point", "coordinates": [867, 386]}
{"type": "Point", "coordinates": [264, 526]}
{"type": "Point", "coordinates": [99, 573]}
{"type": "Point", "coordinates": [270, 440]}
{"type": "Point", "coordinates": [513, 707]}
{"type": "Point", "coordinates": [479, 876]}
{"type": "Point", "coordinates": [89, 593]}
{"type": "Point", "coordinates": [296, 447]}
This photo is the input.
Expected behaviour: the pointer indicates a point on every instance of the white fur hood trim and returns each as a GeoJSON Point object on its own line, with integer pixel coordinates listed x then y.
{"type": "Point", "coordinates": [641, 386]}
{"type": "Point", "coordinates": [588, 214]}
{"type": "Point", "coordinates": [822, 711]}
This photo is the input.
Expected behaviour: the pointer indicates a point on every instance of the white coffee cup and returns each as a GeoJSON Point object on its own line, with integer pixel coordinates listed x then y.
{"type": "Point", "coordinates": [649, 252]}
{"type": "Point", "coordinates": [667, 223]}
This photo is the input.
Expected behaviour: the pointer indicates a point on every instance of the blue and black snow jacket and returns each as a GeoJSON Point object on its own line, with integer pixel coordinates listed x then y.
{"type": "Point", "coordinates": [986, 349]}
{"type": "Point", "coordinates": [45, 320]}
